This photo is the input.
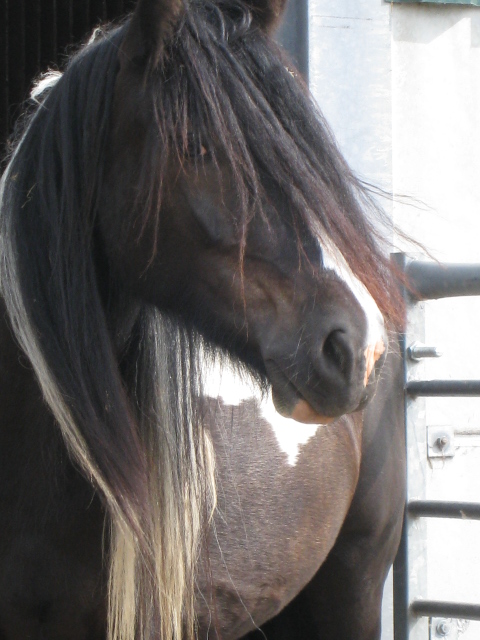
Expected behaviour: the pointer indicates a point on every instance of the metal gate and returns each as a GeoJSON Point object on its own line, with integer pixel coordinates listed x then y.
{"type": "Point", "coordinates": [416, 616]}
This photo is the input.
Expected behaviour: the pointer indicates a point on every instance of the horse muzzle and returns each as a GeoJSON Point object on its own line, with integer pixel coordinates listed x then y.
{"type": "Point", "coordinates": [336, 383]}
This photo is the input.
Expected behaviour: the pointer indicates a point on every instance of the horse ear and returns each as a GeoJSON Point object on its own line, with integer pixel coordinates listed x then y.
{"type": "Point", "coordinates": [151, 28]}
{"type": "Point", "coordinates": [267, 13]}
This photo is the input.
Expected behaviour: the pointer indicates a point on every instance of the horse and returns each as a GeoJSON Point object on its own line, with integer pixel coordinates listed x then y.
{"type": "Point", "coordinates": [189, 269]}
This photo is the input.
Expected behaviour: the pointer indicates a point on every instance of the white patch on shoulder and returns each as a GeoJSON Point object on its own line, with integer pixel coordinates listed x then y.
{"type": "Point", "coordinates": [334, 260]}
{"type": "Point", "coordinates": [232, 387]}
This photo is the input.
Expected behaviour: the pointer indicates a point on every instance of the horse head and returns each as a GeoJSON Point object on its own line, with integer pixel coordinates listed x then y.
{"type": "Point", "coordinates": [232, 198]}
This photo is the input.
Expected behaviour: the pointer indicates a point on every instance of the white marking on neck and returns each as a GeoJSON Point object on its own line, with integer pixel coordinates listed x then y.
{"type": "Point", "coordinates": [224, 382]}
{"type": "Point", "coordinates": [334, 260]}
{"type": "Point", "coordinates": [289, 433]}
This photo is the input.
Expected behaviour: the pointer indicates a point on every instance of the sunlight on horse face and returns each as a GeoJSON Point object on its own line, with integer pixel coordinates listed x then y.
{"type": "Point", "coordinates": [295, 313]}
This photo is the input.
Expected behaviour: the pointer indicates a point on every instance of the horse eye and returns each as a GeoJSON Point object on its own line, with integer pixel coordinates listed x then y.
{"type": "Point", "coordinates": [196, 149]}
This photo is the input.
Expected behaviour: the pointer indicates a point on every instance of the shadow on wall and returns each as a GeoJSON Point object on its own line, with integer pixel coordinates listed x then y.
{"type": "Point", "coordinates": [422, 24]}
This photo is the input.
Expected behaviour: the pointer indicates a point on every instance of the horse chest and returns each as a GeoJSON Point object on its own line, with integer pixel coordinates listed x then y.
{"type": "Point", "coordinates": [281, 504]}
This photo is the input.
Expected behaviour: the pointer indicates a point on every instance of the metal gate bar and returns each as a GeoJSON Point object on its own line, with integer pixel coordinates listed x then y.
{"type": "Point", "coordinates": [444, 388]}
{"type": "Point", "coordinates": [444, 509]}
{"type": "Point", "coordinates": [433, 608]}
{"type": "Point", "coordinates": [34, 35]}
{"type": "Point", "coordinates": [293, 34]}
{"type": "Point", "coordinates": [433, 280]}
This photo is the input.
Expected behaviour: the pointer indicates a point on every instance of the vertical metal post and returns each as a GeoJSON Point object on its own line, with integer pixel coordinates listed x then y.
{"type": "Point", "coordinates": [416, 439]}
{"type": "Point", "coordinates": [400, 566]}
{"type": "Point", "coordinates": [410, 571]}
{"type": "Point", "coordinates": [293, 34]}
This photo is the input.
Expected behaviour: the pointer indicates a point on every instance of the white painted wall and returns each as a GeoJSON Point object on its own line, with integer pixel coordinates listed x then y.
{"type": "Point", "coordinates": [400, 86]}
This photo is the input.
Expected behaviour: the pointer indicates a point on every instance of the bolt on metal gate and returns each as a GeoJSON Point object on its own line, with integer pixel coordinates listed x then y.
{"type": "Point", "coordinates": [416, 617]}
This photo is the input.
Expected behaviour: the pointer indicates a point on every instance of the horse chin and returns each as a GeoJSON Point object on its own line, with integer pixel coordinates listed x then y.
{"type": "Point", "coordinates": [306, 414]}
{"type": "Point", "coordinates": [298, 409]}
{"type": "Point", "coordinates": [290, 403]}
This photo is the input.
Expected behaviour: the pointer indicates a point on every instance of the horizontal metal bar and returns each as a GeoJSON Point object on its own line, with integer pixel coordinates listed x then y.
{"type": "Point", "coordinates": [444, 509]}
{"type": "Point", "coordinates": [433, 280]}
{"type": "Point", "coordinates": [435, 388]}
{"type": "Point", "coordinates": [437, 608]}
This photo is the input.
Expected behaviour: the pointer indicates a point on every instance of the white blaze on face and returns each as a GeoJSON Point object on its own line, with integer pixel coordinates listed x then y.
{"type": "Point", "coordinates": [375, 339]}
{"type": "Point", "coordinates": [223, 382]}
{"type": "Point", "coordinates": [334, 260]}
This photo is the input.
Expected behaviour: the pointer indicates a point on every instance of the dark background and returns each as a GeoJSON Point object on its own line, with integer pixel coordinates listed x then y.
{"type": "Point", "coordinates": [36, 35]}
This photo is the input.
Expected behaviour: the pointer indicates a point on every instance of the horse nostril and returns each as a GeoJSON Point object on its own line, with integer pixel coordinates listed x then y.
{"type": "Point", "coordinates": [338, 353]}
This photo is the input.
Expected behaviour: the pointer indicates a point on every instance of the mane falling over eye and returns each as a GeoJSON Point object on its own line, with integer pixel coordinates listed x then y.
{"type": "Point", "coordinates": [223, 83]}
